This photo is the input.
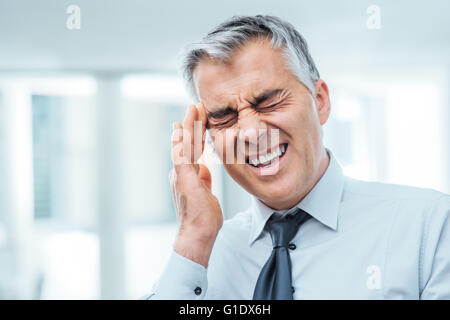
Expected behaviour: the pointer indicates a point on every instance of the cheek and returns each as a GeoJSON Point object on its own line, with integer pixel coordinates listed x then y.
{"type": "Point", "coordinates": [287, 121]}
{"type": "Point", "coordinates": [298, 122]}
{"type": "Point", "coordinates": [224, 145]}
{"type": "Point", "coordinates": [238, 173]}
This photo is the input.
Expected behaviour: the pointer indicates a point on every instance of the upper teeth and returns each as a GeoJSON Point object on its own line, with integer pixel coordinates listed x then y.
{"type": "Point", "coordinates": [263, 159]}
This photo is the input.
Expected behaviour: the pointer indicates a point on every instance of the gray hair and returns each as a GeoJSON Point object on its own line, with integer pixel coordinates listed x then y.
{"type": "Point", "coordinates": [239, 30]}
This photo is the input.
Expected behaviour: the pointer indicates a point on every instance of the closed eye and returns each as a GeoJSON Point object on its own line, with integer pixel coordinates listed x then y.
{"type": "Point", "coordinates": [269, 100]}
{"type": "Point", "coordinates": [268, 108]}
{"type": "Point", "coordinates": [222, 117]}
{"type": "Point", "coordinates": [219, 124]}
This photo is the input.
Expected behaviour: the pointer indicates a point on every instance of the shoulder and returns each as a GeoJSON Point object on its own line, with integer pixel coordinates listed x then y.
{"type": "Point", "coordinates": [408, 202]}
{"type": "Point", "coordinates": [390, 191]}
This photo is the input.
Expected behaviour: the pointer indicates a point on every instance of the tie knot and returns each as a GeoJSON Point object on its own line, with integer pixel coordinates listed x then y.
{"type": "Point", "coordinates": [283, 228]}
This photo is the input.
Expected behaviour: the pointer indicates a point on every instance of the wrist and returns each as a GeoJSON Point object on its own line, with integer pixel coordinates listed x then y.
{"type": "Point", "coordinates": [197, 250]}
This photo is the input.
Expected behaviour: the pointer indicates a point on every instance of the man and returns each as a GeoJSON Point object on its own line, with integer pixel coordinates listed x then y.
{"type": "Point", "coordinates": [311, 233]}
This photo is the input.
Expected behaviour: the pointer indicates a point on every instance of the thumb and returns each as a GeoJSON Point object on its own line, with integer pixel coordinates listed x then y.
{"type": "Point", "coordinates": [204, 175]}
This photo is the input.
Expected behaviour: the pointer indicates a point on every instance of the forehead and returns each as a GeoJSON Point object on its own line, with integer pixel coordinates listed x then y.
{"type": "Point", "coordinates": [252, 69]}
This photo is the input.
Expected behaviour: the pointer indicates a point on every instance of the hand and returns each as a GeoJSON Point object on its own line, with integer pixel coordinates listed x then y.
{"type": "Point", "coordinates": [198, 211]}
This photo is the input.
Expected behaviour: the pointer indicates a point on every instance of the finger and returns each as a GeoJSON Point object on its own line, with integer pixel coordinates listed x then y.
{"type": "Point", "coordinates": [177, 145]}
{"type": "Point", "coordinates": [188, 134]}
{"type": "Point", "coordinates": [205, 176]}
{"type": "Point", "coordinates": [204, 120]}
{"type": "Point", "coordinates": [172, 187]}
{"type": "Point", "coordinates": [199, 130]}
{"type": "Point", "coordinates": [177, 136]}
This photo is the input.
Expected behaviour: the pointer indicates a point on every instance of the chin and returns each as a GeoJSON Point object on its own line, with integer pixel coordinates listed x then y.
{"type": "Point", "coordinates": [276, 192]}
{"type": "Point", "coordinates": [279, 188]}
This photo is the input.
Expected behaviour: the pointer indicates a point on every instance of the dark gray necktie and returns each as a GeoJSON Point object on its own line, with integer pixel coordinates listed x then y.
{"type": "Point", "coordinates": [275, 280]}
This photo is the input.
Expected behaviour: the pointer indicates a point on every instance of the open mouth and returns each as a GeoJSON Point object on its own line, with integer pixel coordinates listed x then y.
{"type": "Point", "coordinates": [266, 159]}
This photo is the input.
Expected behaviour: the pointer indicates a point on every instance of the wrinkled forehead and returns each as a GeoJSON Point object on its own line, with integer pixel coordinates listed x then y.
{"type": "Point", "coordinates": [250, 72]}
{"type": "Point", "coordinates": [235, 90]}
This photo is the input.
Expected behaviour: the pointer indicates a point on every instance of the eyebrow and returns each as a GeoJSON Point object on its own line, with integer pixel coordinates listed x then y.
{"type": "Point", "coordinates": [264, 96]}
{"type": "Point", "coordinates": [221, 113]}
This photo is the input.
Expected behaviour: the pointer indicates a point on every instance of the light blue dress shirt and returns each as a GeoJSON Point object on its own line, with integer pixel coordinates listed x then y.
{"type": "Point", "coordinates": [366, 240]}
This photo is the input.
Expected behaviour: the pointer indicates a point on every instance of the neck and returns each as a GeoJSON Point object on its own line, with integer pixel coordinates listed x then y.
{"type": "Point", "coordinates": [323, 165]}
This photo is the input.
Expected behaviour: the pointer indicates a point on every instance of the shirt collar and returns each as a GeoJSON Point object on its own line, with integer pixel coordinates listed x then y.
{"type": "Point", "coordinates": [322, 202]}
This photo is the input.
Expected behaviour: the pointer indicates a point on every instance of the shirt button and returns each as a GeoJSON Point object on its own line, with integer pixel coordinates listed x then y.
{"type": "Point", "coordinates": [198, 291]}
{"type": "Point", "coordinates": [292, 246]}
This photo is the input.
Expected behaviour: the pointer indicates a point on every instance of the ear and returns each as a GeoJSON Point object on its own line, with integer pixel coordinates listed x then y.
{"type": "Point", "coordinates": [322, 100]}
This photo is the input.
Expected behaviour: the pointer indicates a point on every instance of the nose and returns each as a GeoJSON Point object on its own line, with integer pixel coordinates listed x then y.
{"type": "Point", "coordinates": [252, 135]}
{"type": "Point", "coordinates": [252, 131]}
